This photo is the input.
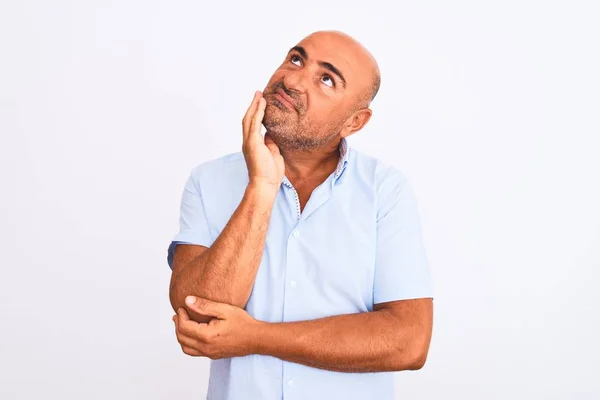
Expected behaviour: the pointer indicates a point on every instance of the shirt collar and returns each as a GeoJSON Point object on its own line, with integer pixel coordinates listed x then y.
{"type": "Point", "coordinates": [344, 152]}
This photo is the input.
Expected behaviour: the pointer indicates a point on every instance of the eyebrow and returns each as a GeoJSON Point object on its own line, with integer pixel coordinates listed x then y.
{"type": "Point", "coordinates": [300, 50]}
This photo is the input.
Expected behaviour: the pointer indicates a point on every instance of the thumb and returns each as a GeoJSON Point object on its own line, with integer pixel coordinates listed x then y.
{"type": "Point", "coordinates": [207, 307]}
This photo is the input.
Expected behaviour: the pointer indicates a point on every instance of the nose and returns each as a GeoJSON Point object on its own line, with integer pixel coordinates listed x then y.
{"type": "Point", "coordinates": [296, 80]}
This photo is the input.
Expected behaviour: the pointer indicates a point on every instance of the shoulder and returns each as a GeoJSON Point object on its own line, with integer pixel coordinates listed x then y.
{"type": "Point", "coordinates": [388, 183]}
{"type": "Point", "coordinates": [225, 169]}
{"type": "Point", "coordinates": [382, 175]}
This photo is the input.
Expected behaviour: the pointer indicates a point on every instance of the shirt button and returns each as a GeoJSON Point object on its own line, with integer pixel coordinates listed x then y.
{"type": "Point", "coordinates": [291, 382]}
{"type": "Point", "coordinates": [295, 233]}
{"type": "Point", "coordinates": [293, 283]}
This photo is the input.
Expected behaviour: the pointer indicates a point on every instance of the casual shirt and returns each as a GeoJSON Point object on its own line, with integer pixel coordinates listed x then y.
{"type": "Point", "coordinates": [356, 243]}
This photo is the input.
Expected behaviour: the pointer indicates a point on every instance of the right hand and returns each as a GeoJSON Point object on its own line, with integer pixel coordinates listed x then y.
{"type": "Point", "coordinates": [264, 161]}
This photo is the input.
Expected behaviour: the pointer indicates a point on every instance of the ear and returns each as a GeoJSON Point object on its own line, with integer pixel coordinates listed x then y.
{"type": "Point", "coordinates": [356, 122]}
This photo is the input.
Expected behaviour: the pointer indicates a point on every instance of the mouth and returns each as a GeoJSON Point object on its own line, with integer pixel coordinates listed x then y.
{"type": "Point", "coordinates": [284, 99]}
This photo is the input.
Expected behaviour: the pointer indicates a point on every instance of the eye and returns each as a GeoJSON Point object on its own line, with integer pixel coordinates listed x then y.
{"type": "Point", "coordinates": [295, 59]}
{"type": "Point", "coordinates": [328, 80]}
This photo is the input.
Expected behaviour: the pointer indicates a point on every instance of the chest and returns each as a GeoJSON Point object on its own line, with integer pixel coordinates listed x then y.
{"type": "Point", "coordinates": [317, 263]}
{"type": "Point", "coordinates": [304, 192]}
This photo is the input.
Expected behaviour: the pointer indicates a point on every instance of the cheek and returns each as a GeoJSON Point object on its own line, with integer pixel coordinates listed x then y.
{"type": "Point", "coordinates": [321, 110]}
{"type": "Point", "coordinates": [322, 119]}
{"type": "Point", "coordinates": [276, 77]}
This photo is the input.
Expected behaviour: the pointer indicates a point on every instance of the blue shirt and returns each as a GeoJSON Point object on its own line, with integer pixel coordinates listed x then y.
{"type": "Point", "coordinates": [356, 243]}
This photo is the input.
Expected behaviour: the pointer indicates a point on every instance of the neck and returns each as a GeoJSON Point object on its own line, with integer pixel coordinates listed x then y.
{"type": "Point", "coordinates": [302, 165]}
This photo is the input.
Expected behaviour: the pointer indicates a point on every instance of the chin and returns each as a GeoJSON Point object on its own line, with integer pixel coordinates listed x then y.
{"type": "Point", "coordinates": [277, 120]}
{"type": "Point", "coordinates": [281, 134]}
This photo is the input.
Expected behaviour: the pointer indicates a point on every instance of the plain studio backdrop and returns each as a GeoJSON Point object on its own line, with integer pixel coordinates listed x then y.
{"type": "Point", "coordinates": [489, 108]}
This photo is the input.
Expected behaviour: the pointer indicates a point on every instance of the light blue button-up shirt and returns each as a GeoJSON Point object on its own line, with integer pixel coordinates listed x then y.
{"type": "Point", "coordinates": [356, 243]}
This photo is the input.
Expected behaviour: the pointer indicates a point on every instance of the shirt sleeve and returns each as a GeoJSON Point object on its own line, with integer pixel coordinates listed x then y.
{"type": "Point", "coordinates": [193, 224]}
{"type": "Point", "coordinates": [401, 266]}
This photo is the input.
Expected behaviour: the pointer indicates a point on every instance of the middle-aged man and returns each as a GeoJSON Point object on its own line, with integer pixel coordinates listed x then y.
{"type": "Point", "coordinates": [299, 267]}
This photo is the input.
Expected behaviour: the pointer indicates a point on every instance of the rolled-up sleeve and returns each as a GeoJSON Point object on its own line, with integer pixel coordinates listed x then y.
{"type": "Point", "coordinates": [401, 267]}
{"type": "Point", "coordinates": [193, 223]}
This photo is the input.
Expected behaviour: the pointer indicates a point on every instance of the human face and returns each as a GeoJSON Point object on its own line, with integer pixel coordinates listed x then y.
{"type": "Point", "coordinates": [312, 93]}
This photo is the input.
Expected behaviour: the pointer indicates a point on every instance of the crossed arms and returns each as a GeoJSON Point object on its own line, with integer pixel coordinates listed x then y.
{"type": "Point", "coordinates": [394, 336]}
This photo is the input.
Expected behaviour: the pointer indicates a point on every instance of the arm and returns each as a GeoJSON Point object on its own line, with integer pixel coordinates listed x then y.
{"type": "Point", "coordinates": [226, 271]}
{"type": "Point", "coordinates": [393, 337]}
{"type": "Point", "coordinates": [396, 335]}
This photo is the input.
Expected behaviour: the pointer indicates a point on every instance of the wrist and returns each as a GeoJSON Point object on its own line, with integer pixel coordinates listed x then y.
{"type": "Point", "coordinates": [262, 192]}
{"type": "Point", "coordinates": [260, 338]}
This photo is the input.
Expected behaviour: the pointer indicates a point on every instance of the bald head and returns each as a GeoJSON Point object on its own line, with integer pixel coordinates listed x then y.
{"type": "Point", "coordinates": [370, 77]}
{"type": "Point", "coordinates": [321, 92]}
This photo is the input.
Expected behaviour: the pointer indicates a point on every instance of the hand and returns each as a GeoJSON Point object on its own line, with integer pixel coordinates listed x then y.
{"type": "Point", "coordinates": [232, 333]}
{"type": "Point", "coordinates": [264, 161]}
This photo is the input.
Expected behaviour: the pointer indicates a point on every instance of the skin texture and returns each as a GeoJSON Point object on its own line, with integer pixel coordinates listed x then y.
{"type": "Point", "coordinates": [326, 108]}
{"type": "Point", "coordinates": [307, 110]}
{"type": "Point", "coordinates": [226, 271]}
{"type": "Point", "coordinates": [395, 337]}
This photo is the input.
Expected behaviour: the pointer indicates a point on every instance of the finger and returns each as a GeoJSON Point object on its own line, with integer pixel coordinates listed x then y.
{"type": "Point", "coordinates": [254, 131]}
{"type": "Point", "coordinates": [256, 120]}
{"type": "Point", "coordinates": [187, 341]}
{"type": "Point", "coordinates": [191, 351]}
{"type": "Point", "coordinates": [182, 315]}
{"type": "Point", "coordinates": [207, 307]}
{"type": "Point", "coordinates": [183, 337]}
{"type": "Point", "coordinates": [189, 327]}
{"type": "Point", "coordinates": [271, 144]}
{"type": "Point", "coordinates": [250, 113]}
{"type": "Point", "coordinates": [177, 321]}
{"type": "Point", "coordinates": [178, 332]}
{"type": "Point", "coordinates": [184, 323]}
{"type": "Point", "coordinates": [184, 320]}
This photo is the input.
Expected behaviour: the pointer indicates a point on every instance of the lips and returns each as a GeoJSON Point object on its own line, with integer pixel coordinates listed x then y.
{"type": "Point", "coordinates": [284, 99]}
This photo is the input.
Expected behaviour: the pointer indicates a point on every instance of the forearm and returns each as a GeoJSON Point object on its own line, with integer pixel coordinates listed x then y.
{"type": "Point", "coordinates": [227, 270]}
{"type": "Point", "coordinates": [365, 342]}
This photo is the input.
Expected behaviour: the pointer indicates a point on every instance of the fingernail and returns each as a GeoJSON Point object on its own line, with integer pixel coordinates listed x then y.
{"type": "Point", "coordinates": [190, 300]}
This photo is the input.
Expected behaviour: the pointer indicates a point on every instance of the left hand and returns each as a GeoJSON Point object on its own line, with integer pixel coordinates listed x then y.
{"type": "Point", "coordinates": [231, 333]}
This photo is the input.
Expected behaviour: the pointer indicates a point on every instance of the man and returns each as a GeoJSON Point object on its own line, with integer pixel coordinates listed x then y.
{"type": "Point", "coordinates": [299, 267]}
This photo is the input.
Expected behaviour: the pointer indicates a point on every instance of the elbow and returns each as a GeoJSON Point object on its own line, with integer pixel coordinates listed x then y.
{"type": "Point", "coordinates": [176, 295]}
{"type": "Point", "coordinates": [173, 298]}
{"type": "Point", "coordinates": [418, 350]}
{"type": "Point", "coordinates": [412, 360]}
{"type": "Point", "coordinates": [418, 361]}
{"type": "Point", "coordinates": [177, 300]}
{"type": "Point", "coordinates": [412, 357]}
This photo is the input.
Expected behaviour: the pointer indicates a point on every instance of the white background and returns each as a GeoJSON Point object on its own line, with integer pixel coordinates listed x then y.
{"type": "Point", "coordinates": [489, 108]}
